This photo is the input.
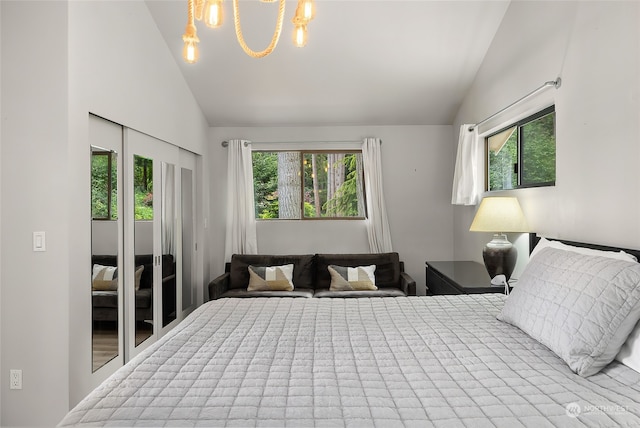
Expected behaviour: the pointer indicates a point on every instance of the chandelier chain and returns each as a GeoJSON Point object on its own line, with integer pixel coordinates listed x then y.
{"type": "Point", "coordinates": [274, 39]}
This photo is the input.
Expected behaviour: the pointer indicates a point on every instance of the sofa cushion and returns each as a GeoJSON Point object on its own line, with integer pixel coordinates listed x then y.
{"type": "Point", "coordinates": [352, 278]}
{"type": "Point", "coordinates": [303, 268]}
{"type": "Point", "coordinates": [104, 298]}
{"type": "Point", "coordinates": [146, 260]}
{"type": "Point", "coordinates": [109, 299]}
{"type": "Point", "coordinates": [270, 278]}
{"type": "Point", "coordinates": [387, 267]}
{"type": "Point", "coordinates": [143, 298]}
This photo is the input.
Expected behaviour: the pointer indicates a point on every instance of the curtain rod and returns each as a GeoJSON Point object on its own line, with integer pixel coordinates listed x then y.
{"type": "Point", "coordinates": [246, 143]}
{"type": "Point", "coordinates": [555, 83]}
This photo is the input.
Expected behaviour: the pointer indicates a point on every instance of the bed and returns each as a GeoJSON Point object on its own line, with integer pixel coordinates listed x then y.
{"type": "Point", "coordinates": [441, 361]}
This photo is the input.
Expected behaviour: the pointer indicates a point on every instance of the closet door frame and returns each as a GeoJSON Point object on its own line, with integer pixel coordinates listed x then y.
{"type": "Point", "coordinates": [137, 143]}
{"type": "Point", "coordinates": [99, 138]}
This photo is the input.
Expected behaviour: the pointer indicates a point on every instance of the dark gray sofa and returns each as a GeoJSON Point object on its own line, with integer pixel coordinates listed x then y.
{"type": "Point", "coordinates": [105, 303]}
{"type": "Point", "coordinates": [311, 276]}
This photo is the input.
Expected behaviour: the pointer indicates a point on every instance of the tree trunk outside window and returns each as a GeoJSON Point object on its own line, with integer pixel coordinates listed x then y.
{"type": "Point", "coordinates": [289, 191]}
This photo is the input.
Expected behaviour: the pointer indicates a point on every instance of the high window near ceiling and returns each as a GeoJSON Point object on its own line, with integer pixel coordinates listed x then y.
{"type": "Point", "coordinates": [309, 184]}
{"type": "Point", "coordinates": [523, 154]}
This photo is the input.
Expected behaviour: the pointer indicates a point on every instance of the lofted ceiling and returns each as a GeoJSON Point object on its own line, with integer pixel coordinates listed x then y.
{"type": "Point", "coordinates": [367, 62]}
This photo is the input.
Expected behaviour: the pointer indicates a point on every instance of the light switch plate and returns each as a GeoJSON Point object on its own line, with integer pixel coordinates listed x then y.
{"type": "Point", "coordinates": [39, 242]}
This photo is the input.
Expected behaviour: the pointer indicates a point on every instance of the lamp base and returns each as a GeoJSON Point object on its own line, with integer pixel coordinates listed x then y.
{"type": "Point", "coordinates": [500, 256]}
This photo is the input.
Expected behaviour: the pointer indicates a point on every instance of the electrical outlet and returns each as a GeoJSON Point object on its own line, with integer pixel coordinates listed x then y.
{"type": "Point", "coordinates": [15, 381]}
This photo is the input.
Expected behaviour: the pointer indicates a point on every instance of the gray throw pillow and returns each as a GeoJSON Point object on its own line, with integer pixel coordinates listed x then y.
{"type": "Point", "coordinates": [582, 307]}
{"type": "Point", "coordinates": [358, 278]}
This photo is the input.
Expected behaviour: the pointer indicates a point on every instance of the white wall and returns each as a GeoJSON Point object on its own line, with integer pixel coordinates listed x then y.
{"type": "Point", "coordinates": [594, 47]}
{"type": "Point", "coordinates": [35, 299]}
{"type": "Point", "coordinates": [104, 237]}
{"type": "Point", "coordinates": [71, 58]}
{"type": "Point", "coordinates": [416, 162]}
{"type": "Point", "coordinates": [1, 366]}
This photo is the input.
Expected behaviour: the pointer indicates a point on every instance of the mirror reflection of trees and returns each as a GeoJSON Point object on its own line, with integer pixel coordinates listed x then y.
{"type": "Point", "coordinates": [143, 247]}
{"type": "Point", "coordinates": [143, 187]}
{"type": "Point", "coordinates": [104, 257]}
{"type": "Point", "coordinates": [104, 186]}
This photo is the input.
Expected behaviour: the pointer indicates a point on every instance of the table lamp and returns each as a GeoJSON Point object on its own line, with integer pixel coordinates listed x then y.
{"type": "Point", "coordinates": [499, 215]}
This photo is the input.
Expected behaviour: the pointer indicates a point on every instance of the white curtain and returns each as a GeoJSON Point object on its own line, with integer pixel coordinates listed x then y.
{"type": "Point", "coordinates": [241, 220]}
{"type": "Point", "coordinates": [377, 221]}
{"type": "Point", "coordinates": [466, 184]}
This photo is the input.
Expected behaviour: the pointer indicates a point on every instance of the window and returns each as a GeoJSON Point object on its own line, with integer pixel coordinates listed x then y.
{"type": "Point", "coordinates": [523, 154]}
{"type": "Point", "coordinates": [308, 185]}
{"type": "Point", "coordinates": [104, 189]}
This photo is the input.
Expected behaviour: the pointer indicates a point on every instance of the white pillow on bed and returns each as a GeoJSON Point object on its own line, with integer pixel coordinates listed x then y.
{"type": "Point", "coordinates": [582, 307]}
{"type": "Point", "coordinates": [629, 354]}
{"type": "Point", "coordinates": [619, 255]}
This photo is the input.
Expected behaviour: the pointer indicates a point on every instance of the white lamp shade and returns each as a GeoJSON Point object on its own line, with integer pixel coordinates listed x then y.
{"type": "Point", "coordinates": [499, 214]}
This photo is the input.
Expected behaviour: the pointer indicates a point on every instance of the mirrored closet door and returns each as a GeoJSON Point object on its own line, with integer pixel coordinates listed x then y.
{"type": "Point", "coordinates": [150, 231]}
{"type": "Point", "coordinates": [143, 241]}
{"type": "Point", "coordinates": [187, 241]}
{"type": "Point", "coordinates": [106, 243]}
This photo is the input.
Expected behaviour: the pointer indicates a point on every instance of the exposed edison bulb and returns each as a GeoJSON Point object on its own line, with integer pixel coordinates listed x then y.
{"type": "Point", "coordinates": [308, 10]}
{"type": "Point", "coordinates": [300, 35]}
{"type": "Point", "coordinates": [213, 13]}
{"type": "Point", "coordinates": [190, 38]}
{"type": "Point", "coordinates": [190, 51]}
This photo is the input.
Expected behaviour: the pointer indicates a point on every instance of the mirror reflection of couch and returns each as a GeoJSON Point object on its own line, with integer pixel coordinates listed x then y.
{"type": "Point", "coordinates": [105, 298]}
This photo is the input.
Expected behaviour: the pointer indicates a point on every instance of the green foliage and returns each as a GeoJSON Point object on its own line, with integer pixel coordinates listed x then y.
{"type": "Point", "coordinates": [104, 182]}
{"type": "Point", "coordinates": [501, 165]}
{"type": "Point", "coordinates": [539, 151]}
{"type": "Point", "coordinates": [143, 188]}
{"type": "Point", "coordinates": [344, 202]}
{"type": "Point", "coordinates": [538, 157]}
{"type": "Point", "coordinates": [143, 205]}
{"type": "Point", "coordinates": [265, 184]}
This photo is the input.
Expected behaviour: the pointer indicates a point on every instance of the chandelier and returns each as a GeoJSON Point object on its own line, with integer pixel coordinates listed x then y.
{"type": "Point", "coordinates": [211, 12]}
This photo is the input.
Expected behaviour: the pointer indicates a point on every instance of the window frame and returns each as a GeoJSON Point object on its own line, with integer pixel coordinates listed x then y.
{"type": "Point", "coordinates": [110, 214]}
{"type": "Point", "coordinates": [519, 125]}
{"type": "Point", "coordinates": [302, 153]}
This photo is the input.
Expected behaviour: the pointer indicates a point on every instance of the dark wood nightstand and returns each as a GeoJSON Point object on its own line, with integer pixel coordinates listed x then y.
{"type": "Point", "coordinates": [464, 277]}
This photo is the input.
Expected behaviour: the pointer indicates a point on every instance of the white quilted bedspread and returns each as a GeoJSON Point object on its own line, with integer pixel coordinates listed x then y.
{"type": "Point", "coordinates": [417, 361]}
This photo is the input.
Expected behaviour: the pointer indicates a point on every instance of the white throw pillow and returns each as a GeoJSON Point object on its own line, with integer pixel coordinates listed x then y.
{"type": "Point", "coordinates": [619, 255]}
{"type": "Point", "coordinates": [582, 307]}
{"type": "Point", "coordinates": [629, 354]}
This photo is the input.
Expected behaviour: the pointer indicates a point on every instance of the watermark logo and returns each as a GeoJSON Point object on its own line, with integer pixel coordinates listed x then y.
{"type": "Point", "coordinates": [573, 410]}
